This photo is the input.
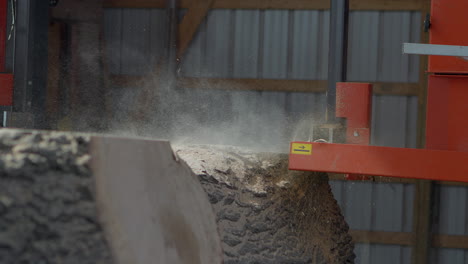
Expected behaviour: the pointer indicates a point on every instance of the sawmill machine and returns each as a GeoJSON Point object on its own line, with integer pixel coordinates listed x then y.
{"type": "Point", "coordinates": [445, 155]}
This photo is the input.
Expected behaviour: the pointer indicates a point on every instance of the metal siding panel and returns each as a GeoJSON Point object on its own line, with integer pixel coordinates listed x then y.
{"type": "Point", "coordinates": [272, 115]}
{"type": "Point", "coordinates": [305, 50]}
{"type": "Point", "coordinates": [394, 30]}
{"type": "Point", "coordinates": [158, 37]}
{"type": "Point", "coordinates": [246, 39]}
{"type": "Point", "coordinates": [275, 45]}
{"type": "Point", "coordinates": [193, 61]}
{"type": "Point", "coordinates": [388, 207]}
{"type": "Point", "coordinates": [337, 189]}
{"type": "Point", "coordinates": [389, 121]}
{"type": "Point", "coordinates": [452, 216]}
{"type": "Point", "coordinates": [304, 110]}
{"type": "Point", "coordinates": [383, 254]}
{"type": "Point", "coordinates": [322, 73]}
{"type": "Point", "coordinates": [405, 28]}
{"type": "Point", "coordinates": [135, 41]}
{"type": "Point", "coordinates": [405, 257]}
{"type": "Point", "coordinates": [412, 122]}
{"type": "Point", "coordinates": [408, 208]}
{"type": "Point", "coordinates": [363, 252]}
{"type": "Point", "coordinates": [363, 46]}
{"type": "Point", "coordinates": [218, 43]}
{"type": "Point", "coordinates": [306, 103]}
{"type": "Point", "coordinates": [452, 256]}
{"type": "Point", "coordinates": [113, 39]}
{"type": "Point", "coordinates": [415, 38]}
{"type": "Point", "coordinates": [358, 205]}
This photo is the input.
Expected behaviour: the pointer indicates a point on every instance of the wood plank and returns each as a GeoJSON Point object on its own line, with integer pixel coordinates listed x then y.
{"type": "Point", "coordinates": [382, 237]}
{"type": "Point", "coordinates": [256, 84]}
{"type": "Point", "coordinates": [407, 239]}
{"type": "Point", "coordinates": [379, 179]}
{"type": "Point", "coordinates": [450, 241]}
{"type": "Point", "coordinates": [424, 196]}
{"type": "Point", "coordinates": [422, 221]}
{"type": "Point", "coordinates": [311, 86]}
{"type": "Point", "coordinates": [134, 3]}
{"type": "Point", "coordinates": [56, 29]}
{"type": "Point", "coordinates": [383, 179]}
{"type": "Point", "coordinates": [191, 22]}
{"type": "Point", "coordinates": [384, 88]}
{"type": "Point", "coordinates": [386, 5]}
{"type": "Point", "coordinates": [390, 5]}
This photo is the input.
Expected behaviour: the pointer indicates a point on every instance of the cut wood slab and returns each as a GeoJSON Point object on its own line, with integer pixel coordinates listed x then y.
{"type": "Point", "coordinates": [68, 198]}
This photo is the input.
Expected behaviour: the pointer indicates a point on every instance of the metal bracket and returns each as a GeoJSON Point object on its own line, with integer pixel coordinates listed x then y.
{"type": "Point", "coordinates": [433, 49]}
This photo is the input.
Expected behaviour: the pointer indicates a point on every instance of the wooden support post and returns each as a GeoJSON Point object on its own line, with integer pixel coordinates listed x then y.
{"type": "Point", "coordinates": [422, 222]}
{"type": "Point", "coordinates": [53, 109]}
{"type": "Point", "coordinates": [422, 216]}
{"type": "Point", "coordinates": [190, 23]}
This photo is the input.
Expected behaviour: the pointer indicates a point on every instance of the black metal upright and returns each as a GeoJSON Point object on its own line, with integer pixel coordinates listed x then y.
{"type": "Point", "coordinates": [337, 53]}
{"type": "Point", "coordinates": [171, 52]}
{"type": "Point", "coordinates": [30, 63]}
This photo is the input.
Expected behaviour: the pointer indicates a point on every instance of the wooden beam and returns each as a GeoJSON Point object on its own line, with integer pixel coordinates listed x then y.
{"type": "Point", "coordinates": [381, 237]}
{"type": "Point", "coordinates": [406, 239]}
{"type": "Point", "coordinates": [311, 86]}
{"type": "Point", "coordinates": [379, 179]}
{"type": "Point", "coordinates": [56, 31]}
{"type": "Point", "coordinates": [389, 88]}
{"type": "Point", "coordinates": [423, 201]}
{"type": "Point", "coordinates": [276, 85]}
{"type": "Point", "coordinates": [386, 5]}
{"type": "Point", "coordinates": [422, 222]}
{"type": "Point", "coordinates": [450, 241]}
{"type": "Point", "coordinates": [381, 5]}
{"type": "Point", "coordinates": [195, 15]}
{"type": "Point", "coordinates": [134, 3]}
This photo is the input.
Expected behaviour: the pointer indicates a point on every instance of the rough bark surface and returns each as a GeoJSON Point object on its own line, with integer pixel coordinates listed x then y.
{"type": "Point", "coordinates": [47, 207]}
{"type": "Point", "coordinates": [266, 213]}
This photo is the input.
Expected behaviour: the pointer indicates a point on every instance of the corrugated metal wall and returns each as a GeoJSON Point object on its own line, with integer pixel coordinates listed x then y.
{"type": "Point", "coordinates": [282, 44]}
{"type": "Point", "coordinates": [452, 219]}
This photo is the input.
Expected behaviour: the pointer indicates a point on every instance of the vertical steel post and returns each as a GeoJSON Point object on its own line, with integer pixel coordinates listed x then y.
{"type": "Point", "coordinates": [3, 32]}
{"type": "Point", "coordinates": [337, 53]}
{"type": "Point", "coordinates": [31, 44]}
{"type": "Point", "coordinates": [171, 52]}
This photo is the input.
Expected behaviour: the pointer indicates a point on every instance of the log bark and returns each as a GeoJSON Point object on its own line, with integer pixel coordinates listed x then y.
{"type": "Point", "coordinates": [77, 198]}
{"type": "Point", "coordinates": [70, 198]}
{"type": "Point", "coordinates": [266, 213]}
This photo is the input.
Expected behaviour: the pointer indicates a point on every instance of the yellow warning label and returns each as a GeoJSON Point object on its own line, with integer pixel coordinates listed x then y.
{"type": "Point", "coordinates": [301, 148]}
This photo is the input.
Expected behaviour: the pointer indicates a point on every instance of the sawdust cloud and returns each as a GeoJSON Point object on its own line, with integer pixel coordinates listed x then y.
{"type": "Point", "coordinates": [204, 115]}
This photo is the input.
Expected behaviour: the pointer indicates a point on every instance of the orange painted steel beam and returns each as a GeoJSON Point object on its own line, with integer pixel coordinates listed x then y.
{"type": "Point", "coordinates": [354, 102]}
{"type": "Point", "coordinates": [383, 161]}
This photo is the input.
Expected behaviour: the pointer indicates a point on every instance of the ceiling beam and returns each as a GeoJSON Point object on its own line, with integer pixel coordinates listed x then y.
{"type": "Point", "coordinates": [382, 5]}
{"type": "Point", "coordinates": [272, 85]}
{"type": "Point", "coordinates": [190, 23]}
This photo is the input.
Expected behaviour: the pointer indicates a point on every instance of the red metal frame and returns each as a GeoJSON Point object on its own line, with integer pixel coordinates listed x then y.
{"type": "Point", "coordinates": [446, 153]}
{"type": "Point", "coordinates": [383, 161]}
{"type": "Point", "coordinates": [447, 110]}
{"type": "Point", "coordinates": [6, 79]}
{"type": "Point", "coordinates": [354, 102]}
{"type": "Point", "coordinates": [6, 89]}
{"type": "Point", "coordinates": [448, 26]}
